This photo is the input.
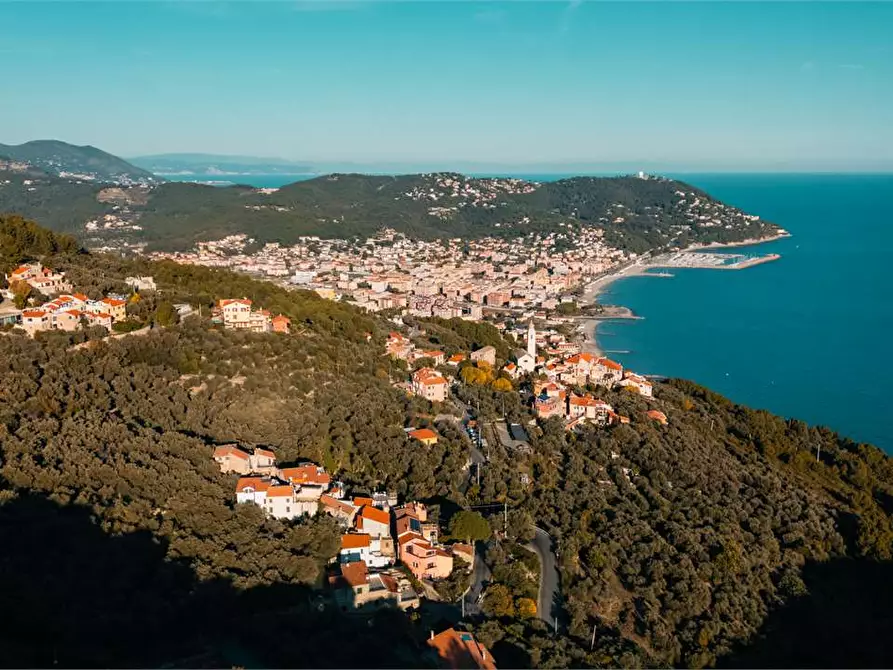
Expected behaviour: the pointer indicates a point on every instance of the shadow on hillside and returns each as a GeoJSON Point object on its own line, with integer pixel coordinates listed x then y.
{"type": "Point", "coordinates": [74, 596]}
{"type": "Point", "coordinates": [846, 620]}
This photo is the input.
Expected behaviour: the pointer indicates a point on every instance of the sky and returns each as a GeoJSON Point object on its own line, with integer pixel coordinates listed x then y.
{"type": "Point", "coordinates": [698, 86]}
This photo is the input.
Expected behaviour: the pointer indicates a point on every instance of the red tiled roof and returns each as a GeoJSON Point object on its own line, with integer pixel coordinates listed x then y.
{"type": "Point", "coordinates": [256, 483]}
{"type": "Point", "coordinates": [356, 573]}
{"type": "Point", "coordinates": [230, 450]}
{"type": "Point", "coordinates": [375, 514]}
{"type": "Point", "coordinates": [460, 650]}
{"type": "Point", "coordinates": [280, 491]}
{"type": "Point", "coordinates": [264, 452]}
{"type": "Point", "coordinates": [114, 302]}
{"type": "Point", "coordinates": [423, 434]}
{"type": "Point", "coordinates": [34, 314]}
{"type": "Point", "coordinates": [608, 363]}
{"type": "Point", "coordinates": [306, 474]}
{"type": "Point", "coordinates": [355, 541]}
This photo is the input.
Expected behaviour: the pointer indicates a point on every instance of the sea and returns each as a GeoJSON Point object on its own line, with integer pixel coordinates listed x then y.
{"type": "Point", "coordinates": [806, 336]}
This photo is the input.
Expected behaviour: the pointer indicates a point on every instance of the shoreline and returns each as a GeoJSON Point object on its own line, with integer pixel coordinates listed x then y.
{"type": "Point", "coordinates": [637, 268]}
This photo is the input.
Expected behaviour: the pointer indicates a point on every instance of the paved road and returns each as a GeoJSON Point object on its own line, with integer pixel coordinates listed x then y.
{"type": "Point", "coordinates": [549, 595]}
{"type": "Point", "coordinates": [480, 575]}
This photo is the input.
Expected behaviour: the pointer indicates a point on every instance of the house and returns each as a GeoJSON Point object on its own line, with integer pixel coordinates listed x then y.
{"type": "Point", "coordinates": [413, 517]}
{"type": "Point", "coordinates": [486, 354]}
{"type": "Point", "coordinates": [40, 279]}
{"type": "Point", "coordinates": [424, 435]}
{"type": "Point", "coordinates": [437, 356]}
{"type": "Point", "coordinates": [633, 381]}
{"type": "Point", "coordinates": [99, 319]}
{"type": "Point", "coordinates": [343, 511]}
{"type": "Point", "coordinates": [398, 346]}
{"type": "Point", "coordinates": [374, 522]}
{"type": "Point", "coordinates": [117, 309]}
{"type": "Point", "coordinates": [281, 502]}
{"type": "Point", "coordinates": [69, 319]}
{"type": "Point", "coordinates": [658, 416]}
{"type": "Point", "coordinates": [525, 360]}
{"type": "Point", "coordinates": [232, 459]}
{"type": "Point", "coordinates": [363, 547]}
{"type": "Point", "coordinates": [36, 320]}
{"type": "Point", "coordinates": [306, 474]}
{"type": "Point", "coordinates": [460, 650]}
{"type": "Point", "coordinates": [354, 587]}
{"type": "Point", "coordinates": [455, 359]}
{"type": "Point", "coordinates": [141, 283]}
{"type": "Point", "coordinates": [237, 313]}
{"type": "Point", "coordinates": [429, 384]}
{"type": "Point", "coordinates": [512, 370]}
{"type": "Point", "coordinates": [424, 559]}
{"type": "Point", "coordinates": [253, 490]}
{"type": "Point", "coordinates": [589, 408]}
{"type": "Point", "coordinates": [281, 324]}
{"type": "Point", "coordinates": [606, 372]}
{"type": "Point", "coordinates": [9, 315]}
{"type": "Point", "coordinates": [263, 460]}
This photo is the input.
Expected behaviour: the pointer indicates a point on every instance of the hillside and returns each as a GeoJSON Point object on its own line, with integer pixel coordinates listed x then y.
{"type": "Point", "coordinates": [637, 215]}
{"type": "Point", "coordinates": [719, 538]}
{"type": "Point", "coordinates": [85, 162]}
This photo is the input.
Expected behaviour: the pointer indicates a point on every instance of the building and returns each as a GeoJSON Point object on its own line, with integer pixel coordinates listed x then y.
{"type": "Point", "coordinates": [658, 416]}
{"type": "Point", "coordinates": [238, 314]}
{"type": "Point", "coordinates": [458, 649]}
{"type": "Point", "coordinates": [638, 382]}
{"type": "Point", "coordinates": [40, 279]}
{"type": "Point", "coordinates": [531, 341]}
{"type": "Point", "coordinates": [424, 435]}
{"type": "Point", "coordinates": [486, 354]}
{"type": "Point", "coordinates": [343, 511]}
{"type": "Point", "coordinates": [141, 283]}
{"type": "Point", "coordinates": [9, 315]}
{"type": "Point", "coordinates": [589, 408]}
{"type": "Point", "coordinates": [281, 324]}
{"type": "Point", "coordinates": [36, 320]}
{"type": "Point", "coordinates": [355, 588]}
{"type": "Point", "coordinates": [363, 547]}
{"type": "Point", "coordinates": [232, 459]}
{"type": "Point", "coordinates": [525, 360]}
{"type": "Point", "coordinates": [374, 522]}
{"type": "Point", "coordinates": [429, 384]}
{"type": "Point", "coordinates": [424, 559]}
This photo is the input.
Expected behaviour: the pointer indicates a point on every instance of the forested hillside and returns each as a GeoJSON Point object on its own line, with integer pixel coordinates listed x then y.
{"type": "Point", "coordinates": [636, 214]}
{"type": "Point", "coordinates": [57, 157]}
{"type": "Point", "coordinates": [720, 538]}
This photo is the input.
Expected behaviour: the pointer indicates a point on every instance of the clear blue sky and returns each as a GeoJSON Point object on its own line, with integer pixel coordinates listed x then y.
{"type": "Point", "coordinates": [687, 85]}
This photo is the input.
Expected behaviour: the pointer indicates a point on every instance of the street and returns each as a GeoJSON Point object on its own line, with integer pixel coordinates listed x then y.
{"type": "Point", "coordinates": [548, 604]}
{"type": "Point", "coordinates": [480, 575]}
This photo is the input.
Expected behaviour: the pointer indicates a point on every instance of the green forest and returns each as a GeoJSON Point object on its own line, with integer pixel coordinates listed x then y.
{"type": "Point", "coordinates": [176, 215]}
{"type": "Point", "coordinates": [730, 537]}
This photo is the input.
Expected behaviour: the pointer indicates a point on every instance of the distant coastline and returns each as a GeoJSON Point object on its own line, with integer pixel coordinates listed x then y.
{"type": "Point", "coordinates": [594, 289]}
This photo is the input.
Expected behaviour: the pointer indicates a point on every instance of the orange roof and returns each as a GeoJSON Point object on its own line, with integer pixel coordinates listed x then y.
{"type": "Point", "coordinates": [308, 473]}
{"type": "Point", "coordinates": [375, 514]}
{"type": "Point", "coordinates": [114, 302]}
{"type": "Point", "coordinates": [355, 541]}
{"type": "Point", "coordinates": [459, 649]}
{"type": "Point", "coordinates": [230, 301]}
{"type": "Point", "coordinates": [423, 434]}
{"type": "Point", "coordinates": [81, 297]}
{"type": "Point", "coordinates": [230, 450]}
{"type": "Point", "coordinates": [34, 313]}
{"type": "Point", "coordinates": [434, 353]}
{"type": "Point", "coordinates": [657, 415]}
{"type": "Point", "coordinates": [264, 452]}
{"type": "Point", "coordinates": [279, 318]}
{"type": "Point", "coordinates": [334, 503]}
{"type": "Point", "coordinates": [73, 312]}
{"type": "Point", "coordinates": [356, 573]}
{"type": "Point", "coordinates": [587, 401]}
{"type": "Point", "coordinates": [608, 363]}
{"type": "Point", "coordinates": [280, 491]}
{"type": "Point", "coordinates": [457, 358]}
{"type": "Point", "coordinates": [359, 502]}
{"type": "Point", "coordinates": [22, 269]}
{"type": "Point", "coordinates": [256, 483]}
{"type": "Point", "coordinates": [102, 315]}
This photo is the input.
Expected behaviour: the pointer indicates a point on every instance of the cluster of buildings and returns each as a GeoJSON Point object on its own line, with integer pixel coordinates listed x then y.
{"type": "Point", "coordinates": [377, 532]}
{"type": "Point", "coordinates": [67, 311]}
{"type": "Point", "coordinates": [237, 313]}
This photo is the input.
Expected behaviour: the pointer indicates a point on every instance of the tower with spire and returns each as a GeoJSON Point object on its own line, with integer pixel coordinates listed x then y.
{"type": "Point", "coordinates": [531, 339]}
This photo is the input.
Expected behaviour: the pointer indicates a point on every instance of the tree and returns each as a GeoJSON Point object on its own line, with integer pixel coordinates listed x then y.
{"type": "Point", "coordinates": [21, 291]}
{"type": "Point", "coordinates": [502, 385]}
{"type": "Point", "coordinates": [165, 314]}
{"type": "Point", "coordinates": [469, 526]}
{"type": "Point", "coordinates": [472, 375]}
{"type": "Point", "coordinates": [498, 602]}
{"type": "Point", "coordinates": [526, 608]}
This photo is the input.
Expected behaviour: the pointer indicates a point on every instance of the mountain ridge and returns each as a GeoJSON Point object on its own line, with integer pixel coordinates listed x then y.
{"type": "Point", "coordinates": [86, 161]}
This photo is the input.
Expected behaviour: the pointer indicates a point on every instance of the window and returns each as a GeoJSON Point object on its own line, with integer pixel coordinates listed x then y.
{"type": "Point", "coordinates": [288, 510]}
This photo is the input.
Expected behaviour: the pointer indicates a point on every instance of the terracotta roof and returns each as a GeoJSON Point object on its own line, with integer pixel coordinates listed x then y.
{"type": "Point", "coordinates": [264, 452]}
{"type": "Point", "coordinates": [334, 503]}
{"type": "Point", "coordinates": [256, 483]}
{"type": "Point", "coordinates": [355, 541]}
{"type": "Point", "coordinates": [34, 314]}
{"type": "Point", "coordinates": [114, 302]}
{"type": "Point", "coordinates": [375, 514]}
{"type": "Point", "coordinates": [280, 491]}
{"type": "Point", "coordinates": [230, 450]}
{"type": "Point", "coordinates": [608, 363]}
{"type": "Point", "coordinates": [280, 318]}
{"type": "Point", "coordinates": [231, 301]}
{"type": "Point", "coordinates": [82, 297]}
{"type": "Point", "coordinates": [356, 573]}
{"type": "Point", "coordinates": [359, 501]}
{"type": "Point", "coordinates": [458, 649]}
{"type": "Point", "coordinates": [308, 473]}
{"type": "Point", "coordinates": [457, 358]}
{"type": "Point", "coordinates": [423, 434]}
{"type": "Point", "coordinates": [586, 401]}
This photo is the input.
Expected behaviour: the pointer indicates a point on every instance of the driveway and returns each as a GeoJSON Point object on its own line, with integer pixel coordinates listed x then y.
{"type": "Point", "coordinates": [548, 605]}
{"type": "Point", "coordinates": [480, 576]}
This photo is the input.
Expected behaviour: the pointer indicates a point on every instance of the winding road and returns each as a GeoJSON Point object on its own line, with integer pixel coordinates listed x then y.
{"type": "Point", "coordinates": [548, 605]}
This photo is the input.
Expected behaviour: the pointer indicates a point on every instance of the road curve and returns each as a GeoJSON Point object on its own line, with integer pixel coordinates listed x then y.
{"type": "Point", "coordinates": [548, 601]}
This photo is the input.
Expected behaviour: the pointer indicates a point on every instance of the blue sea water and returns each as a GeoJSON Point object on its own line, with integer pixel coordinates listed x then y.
{"type": "Point", "coordinates": [807, 336]}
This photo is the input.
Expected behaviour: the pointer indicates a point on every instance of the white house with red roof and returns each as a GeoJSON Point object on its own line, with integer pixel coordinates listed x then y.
{"type": "Point", "coordinates": [640, 383]}
{"type": "Point", "coordinates": [237, 313]}
{"type": "Point", "coordinates": [40, 278]}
